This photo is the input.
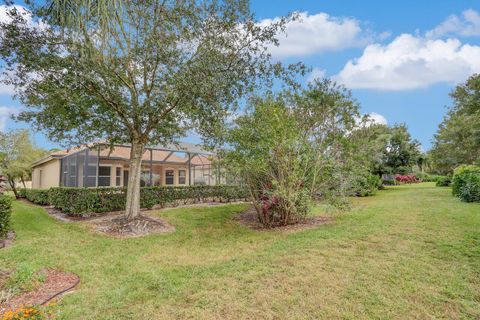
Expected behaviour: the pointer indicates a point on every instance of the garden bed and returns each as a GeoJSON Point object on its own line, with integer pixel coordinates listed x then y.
{"type": "Point", "coordinates": [119, 226]}
{"type": "Point", "coordinates": [56, 284]}
{"type": "Point", "coordinates": [249, 218]}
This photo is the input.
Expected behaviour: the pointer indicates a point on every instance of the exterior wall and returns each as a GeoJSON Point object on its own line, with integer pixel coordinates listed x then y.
{"type": "Point", "coordinates": [46, 175]}
{"type": "Point", "coordinates": [158, 171]}
{"type": "Point", "coordinates": [80, 169]}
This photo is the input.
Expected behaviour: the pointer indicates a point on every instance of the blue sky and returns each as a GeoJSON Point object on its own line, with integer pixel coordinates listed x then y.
{"type": "Point", "coordinates": [400, 58]}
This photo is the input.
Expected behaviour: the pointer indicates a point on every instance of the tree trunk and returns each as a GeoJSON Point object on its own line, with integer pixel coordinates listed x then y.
{"type": "Point", "coordinates": [132, 208]}
{"type": "Point", "coordinates": [23, 182]}
{"type": "Point", "coordinates": [11, 182]}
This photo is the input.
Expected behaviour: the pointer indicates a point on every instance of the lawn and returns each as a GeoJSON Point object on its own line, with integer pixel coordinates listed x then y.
{"type": "Point", "coordinates": [408, 252]}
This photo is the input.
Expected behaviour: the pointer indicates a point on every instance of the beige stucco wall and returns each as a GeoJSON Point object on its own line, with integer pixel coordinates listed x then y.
{"type": "Point", "coordinates": [46, 175]}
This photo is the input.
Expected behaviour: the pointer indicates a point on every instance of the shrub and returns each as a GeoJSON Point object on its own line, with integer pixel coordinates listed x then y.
{"type": "Point", "coordinates": [427, 177]}
{"type": "Point", "coordinates": [466, 183]}
{"type": "Point", "coordinates": [82, 201]}
{"type": "Point", "coordinates": [443, 181]}
{"type": "Point", "coordinates": [5, 214]}
{"type": "Point", "coordinates": [366, 185]}
{"type": "Point", "coordinates": [407, 179]}
{"type": "Point", "coordinates": [37, 196]}
{"type": "Point", "coordinates": [22, 193]}
{"type": "Point", "coordinates": [389, 181]}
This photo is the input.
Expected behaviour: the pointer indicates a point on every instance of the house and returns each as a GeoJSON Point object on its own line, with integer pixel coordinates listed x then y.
{"type": "Point", "coordinates": [99, 165]}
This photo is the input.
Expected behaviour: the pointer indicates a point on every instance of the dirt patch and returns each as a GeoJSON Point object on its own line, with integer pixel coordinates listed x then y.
{"type": "Point", "coordinates": [249, 218]}
{"type": "Point", "coordinates": [119, 226]}
{"type": "Point", "coordinates": [56, 284]}
{"type": "Point", "coordinates": [8, 241]}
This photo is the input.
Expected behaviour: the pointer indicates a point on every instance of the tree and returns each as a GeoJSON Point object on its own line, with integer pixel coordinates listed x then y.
{"type": "Point", "coordinates": [457, 140]}
{"type": "Point", "coordinates": [17, 153]}
{"type": "Point", "coordinates": [400, 153]}
{"type": "Point", "coordinates": [138, 72]}
{"type": "Point", "coordinates": [291, 148]}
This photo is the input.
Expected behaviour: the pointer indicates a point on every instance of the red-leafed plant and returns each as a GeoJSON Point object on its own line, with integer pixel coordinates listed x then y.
{"type": "Point", "coordinates": [407, 179]}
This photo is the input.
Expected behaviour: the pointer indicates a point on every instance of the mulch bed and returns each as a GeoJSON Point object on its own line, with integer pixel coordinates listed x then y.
{"type": "Point", "coordinates": [249, 218]}
{"type": "Point", "coordinates": [119, 226]}
{"type": "Point", "coordinates": [56, 284]}
{"type": "Point", "coordinates": [8, 241]}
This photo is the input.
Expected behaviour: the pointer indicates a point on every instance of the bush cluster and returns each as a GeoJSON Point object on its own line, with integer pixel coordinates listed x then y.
{"type": "Point", "coordinates": [427, 177]}
{"type": "Point", "coordinates": [443, 181]}
{"type": "Point", "coordinates": [82, 201]}
{"type": "Point", "coordinates": [407, 179]}
{"type": "Point", "coordinates": [37, 196]}
{"type": "Point", "coordinates": [366, 185]}
{"type": "Point", "coordinates": [466, 183]}
{"type": "Point", "coordinates": [5, 213]}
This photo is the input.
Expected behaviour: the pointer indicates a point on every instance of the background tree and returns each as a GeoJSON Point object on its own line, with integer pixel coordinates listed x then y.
{"type": "Point", "coordinates": [17, 153]}
{"type": "Point", "coordinates": [457, 140]}
{"type": "Point", "coordinates": [138, 72]}
{"type": "Point", "coordinates": [400, 153]}
{"type": "Point", "coordinates": [291, 148]}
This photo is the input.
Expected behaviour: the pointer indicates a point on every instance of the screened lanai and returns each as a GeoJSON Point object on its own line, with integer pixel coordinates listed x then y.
{"type": "Point", "coordinates": [174, 165]}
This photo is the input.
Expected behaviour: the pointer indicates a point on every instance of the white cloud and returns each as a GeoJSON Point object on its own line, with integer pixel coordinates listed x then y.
{"type": "Point", "coordinates": [317, 33]}
{"type": "Point", "coordinates": [411, 62]}
{"type": "Point", "coordinates": [316, 74]}
{"type": "Point", "coordinates": [467, 25]}
{"type": "Point", "coordinates": [5, 114]}
{"type": "Point", "coordinates": [377, 118]}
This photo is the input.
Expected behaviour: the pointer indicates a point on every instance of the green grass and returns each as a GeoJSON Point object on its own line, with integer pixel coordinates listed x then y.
{"type": "Point", "coordinates": [408, 252]}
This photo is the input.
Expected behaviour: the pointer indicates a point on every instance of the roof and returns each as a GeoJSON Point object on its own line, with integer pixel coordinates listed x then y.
{"type": "Point", "coordinates": [159, 153]}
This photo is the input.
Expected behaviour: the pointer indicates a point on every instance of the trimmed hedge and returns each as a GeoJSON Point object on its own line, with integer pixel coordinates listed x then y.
{"type": "Point", "coordinates": [5, 213]}
{"type": "Point", "coordinates": [466, 183]}
{"type": "Point", "coordinates": [82, 201]}
{"type": "Point", "coordinates": [37, 196]}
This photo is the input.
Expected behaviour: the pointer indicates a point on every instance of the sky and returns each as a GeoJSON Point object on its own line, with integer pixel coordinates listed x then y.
{"type": "Point", "coordinates": [400, 58]}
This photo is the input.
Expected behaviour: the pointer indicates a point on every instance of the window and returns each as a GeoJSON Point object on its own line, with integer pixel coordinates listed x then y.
{"type": "Point", "coordinates": [169, 177]}
{"type": "Point", "coordinates": [181, 177]}
{"type": "Point", "coordinates": [104, 174]}
{"type": "Point", "coordinates": [118, 176]}
{"type": "Point", "coordinates": [39, 179]}
{"type": "Point", "coordinates": [145, 178]}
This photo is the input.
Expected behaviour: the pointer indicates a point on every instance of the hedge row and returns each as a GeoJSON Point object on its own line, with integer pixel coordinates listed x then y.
{"type": "Point", "coordinates": [5, 213]}
{"type": "Point", "coordinates": [466, 183]}
{"type": "Point", "coordinates": [38, 196]}
{"type": "Point", "coordinates": [81, 201]}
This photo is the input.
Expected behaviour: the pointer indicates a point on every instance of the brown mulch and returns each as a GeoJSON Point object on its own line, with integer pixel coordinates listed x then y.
{"type": "Point", "coordinates": [8, 241]}
{"type": "Point", "coordinates": [119, 226]}
{"type": "Point", "coordinates": [56, 284]}
{"type": "Point", "coordinates": [249, 218]}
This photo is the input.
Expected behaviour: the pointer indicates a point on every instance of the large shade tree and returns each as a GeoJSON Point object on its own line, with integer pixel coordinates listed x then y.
{"type": "Point", "coordinates": [138, 72]}
{"type": "Point", "coordinates": [457, 140]}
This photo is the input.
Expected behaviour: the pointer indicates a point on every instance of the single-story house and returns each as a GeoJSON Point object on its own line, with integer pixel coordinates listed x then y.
{"type": "Point", "coordinates": [99, 165]}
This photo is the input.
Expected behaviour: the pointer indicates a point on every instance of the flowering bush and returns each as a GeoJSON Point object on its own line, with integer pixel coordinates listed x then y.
{"type": "Point", "coordinates": [29, 313]}
{"type": "Point", "coordinates": [407, 179]}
